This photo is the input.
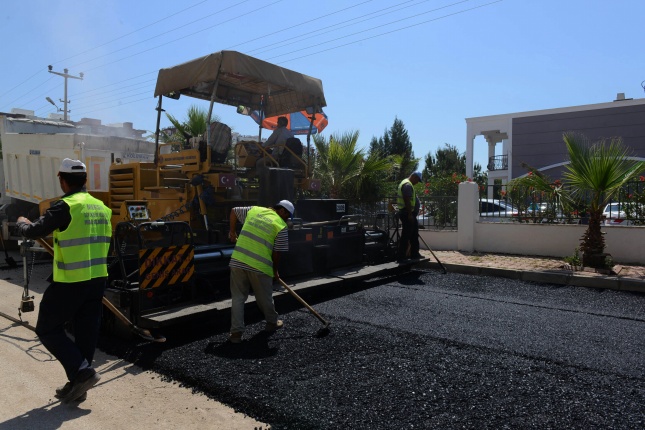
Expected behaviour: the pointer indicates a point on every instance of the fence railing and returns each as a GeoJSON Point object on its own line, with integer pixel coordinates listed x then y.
{"type": "Point", "coordinates": [438, 213]}
{"type": "Point", "coordinates": [498, 162]}
{"type": "Point", "coordinates": [519, 205]}
{"type": "Point", "coordinates": [525, 204]}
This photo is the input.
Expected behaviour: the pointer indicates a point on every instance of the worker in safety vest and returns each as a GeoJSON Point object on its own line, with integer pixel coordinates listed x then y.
{"type": "Point", "coordinates": [254, 263]}
{"type": "Point", "coordinates": [408, 204]}
{"type": "Point", "coordinates": [82, 232]}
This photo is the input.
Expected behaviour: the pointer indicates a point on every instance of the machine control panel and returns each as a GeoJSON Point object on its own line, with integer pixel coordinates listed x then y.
{"type": "Point", "coordinates": [138, 211]}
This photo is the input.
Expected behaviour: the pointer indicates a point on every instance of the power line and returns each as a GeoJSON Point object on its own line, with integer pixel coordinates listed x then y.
{"type": "Point", "coordinates": [170, 31]}
{"type": "Point", "coordinates": [121, 104]}
{"type": "Point", "coordinates": [16, 86]}
{"type": "Point", "coordinates": [383, 34]}
{"type": "Point", "coordinates": [132, 32]}
{"type": "Point", "coordinates": [299, 25]}
{"type": "Point", "coordinates": [380, 26]}
{"type": "Point", "coordinates": [389, 32]}
{"type": "Point", "coordinates": [109, 98]}
{"type": "Point", "coordinates": [98, 96]}
{"type": "Point", "coordinates": [111, 41]}
{"type": "Point", "coordinates": [188, 35]}
{"type": "Point", "coordinates": [318, 51]}
{"type": "Point", "coordinates": [8, 105]}
{"type": "Point", "coordinates": [46, 93]}
{"type": "Point", "coordinates": [123, 80]}
{"type": "Point", "coordinates": [333, 27]}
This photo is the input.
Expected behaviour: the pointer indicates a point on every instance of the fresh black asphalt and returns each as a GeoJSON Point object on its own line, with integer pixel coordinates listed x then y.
{"type": "Point", "coordinates": [425, 351]}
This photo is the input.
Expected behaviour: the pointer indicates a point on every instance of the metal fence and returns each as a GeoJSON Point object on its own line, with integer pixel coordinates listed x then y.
{"type": "Point", "coordinates": [520, 205]}
{"type": "Point", "coordinates": [525, 204]}
{"type": "Point", "coordinates": [438, 213]}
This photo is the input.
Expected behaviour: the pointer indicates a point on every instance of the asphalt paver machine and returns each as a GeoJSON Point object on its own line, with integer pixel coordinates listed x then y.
{"type": "Point", "coordinates": [170, 216]}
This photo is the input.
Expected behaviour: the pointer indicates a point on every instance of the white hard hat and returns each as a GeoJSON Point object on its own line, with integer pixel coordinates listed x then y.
{"type": "Point", "coordinates": [287, 205]}
{"type": "Point", "coordinates": [72, 166]}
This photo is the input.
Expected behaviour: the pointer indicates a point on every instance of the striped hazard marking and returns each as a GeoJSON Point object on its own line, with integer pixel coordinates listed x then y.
{"type": "Point", "coordinates": [160, 267]}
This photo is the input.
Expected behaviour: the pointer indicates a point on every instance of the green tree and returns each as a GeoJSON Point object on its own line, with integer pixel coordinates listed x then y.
{"type": "Point", "coordinates": [597, 172]}
{"type": "Point", "coordinates": [196, 124]}
{"type": "Point", "coordinates": [396, 141]}
{"type": "Point", "coordinates": [448, 161]}
{"type": "Point", "coordinates": [346, 171]}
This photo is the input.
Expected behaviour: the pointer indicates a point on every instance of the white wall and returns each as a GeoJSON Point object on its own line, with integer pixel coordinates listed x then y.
{"type": "Point", "coordinates": [625, 244]}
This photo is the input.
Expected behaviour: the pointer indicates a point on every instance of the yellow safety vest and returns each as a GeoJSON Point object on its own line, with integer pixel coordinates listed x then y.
{"type": "Point", "coordinates": [413, 198]}
{"type": "Point", "coordinates": [80, 252]}
{"type": "Point", "coordinates": [255, 244]}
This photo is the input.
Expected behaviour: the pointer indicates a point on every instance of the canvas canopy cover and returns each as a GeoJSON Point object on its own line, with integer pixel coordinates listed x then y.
{"type": "Point", "coordinates": [241, 80]}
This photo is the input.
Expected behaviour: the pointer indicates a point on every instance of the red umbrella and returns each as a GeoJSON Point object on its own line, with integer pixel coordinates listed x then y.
{"type": "Point", "coordinates": [298, 122]}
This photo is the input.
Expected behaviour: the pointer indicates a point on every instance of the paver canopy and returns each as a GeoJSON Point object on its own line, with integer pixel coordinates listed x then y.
{"type": "Point", "coordinates": [238, 80]}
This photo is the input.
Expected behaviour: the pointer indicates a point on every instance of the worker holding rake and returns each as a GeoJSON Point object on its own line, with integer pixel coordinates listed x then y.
{"type": "Point", "coordinates": [254, 263]}
{"type": "Point", "coordinates": [408, 203]}
{"type": "Point", "coordinates": [82, 233]}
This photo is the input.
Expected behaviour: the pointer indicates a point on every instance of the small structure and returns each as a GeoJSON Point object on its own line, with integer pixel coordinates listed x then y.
{"type": "Point", "coordinates": [535, 137]}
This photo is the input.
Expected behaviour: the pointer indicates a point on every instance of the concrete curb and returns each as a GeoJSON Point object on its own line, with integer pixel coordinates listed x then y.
{"type": "Point", "coordinates": [564, 278]}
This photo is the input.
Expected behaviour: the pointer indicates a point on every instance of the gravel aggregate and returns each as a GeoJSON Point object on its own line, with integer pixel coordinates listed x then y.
{"type": "Point", "coordinates": [426, 351]}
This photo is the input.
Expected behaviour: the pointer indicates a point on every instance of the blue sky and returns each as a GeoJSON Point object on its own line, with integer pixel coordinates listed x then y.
{"type": "Point", "coordinates": [430, 63]}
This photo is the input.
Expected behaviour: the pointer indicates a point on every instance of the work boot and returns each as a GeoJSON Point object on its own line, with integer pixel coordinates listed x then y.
{"type": "Point", "coordinates": [63, 391]}
{"type": "Point", "coordinates": [271, 327]}
{"type": "Point", "coordinates": [84, 380]}
{"type": "Point", "coordinates": [235, 337]}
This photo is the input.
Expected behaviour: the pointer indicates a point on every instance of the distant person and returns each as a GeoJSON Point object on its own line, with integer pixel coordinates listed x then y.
{"type": "Point", "coordinates": [279, 136]}
{"type": "Point", "coordinates": [255, 259]}
{"type": "Point", "coordinates": [408, 203]}
{"type": "Point", "coordinates": [82, 232]}
{"type": "Point", "coordinates": [274, 145]}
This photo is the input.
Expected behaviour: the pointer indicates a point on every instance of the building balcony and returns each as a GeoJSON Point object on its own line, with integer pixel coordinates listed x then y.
{"type": "Point", "coordinates": [498, 162]}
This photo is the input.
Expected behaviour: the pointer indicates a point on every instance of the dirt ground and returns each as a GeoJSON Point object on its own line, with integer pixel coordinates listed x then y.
{"type": "Point", "coordinates": [126, 397]}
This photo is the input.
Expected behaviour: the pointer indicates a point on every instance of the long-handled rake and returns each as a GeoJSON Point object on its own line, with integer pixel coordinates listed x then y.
{"type": "Point", "coordinates": [435, 257]}
{"type": "Point", "coordinates": [324, 331]}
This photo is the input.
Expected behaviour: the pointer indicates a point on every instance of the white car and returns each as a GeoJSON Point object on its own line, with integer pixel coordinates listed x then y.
{"type": "Point", "coordinates": [614, 214]}
{"type": "Point", "coordinates": [494, 210]}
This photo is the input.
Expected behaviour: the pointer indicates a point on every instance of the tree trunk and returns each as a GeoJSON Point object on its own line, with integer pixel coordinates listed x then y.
{"type": "Point", "coordinates": [593, 242]}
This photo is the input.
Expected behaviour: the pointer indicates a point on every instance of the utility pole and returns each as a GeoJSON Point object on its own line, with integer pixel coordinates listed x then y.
{"type": "Point", "coordinates": [66, 76]}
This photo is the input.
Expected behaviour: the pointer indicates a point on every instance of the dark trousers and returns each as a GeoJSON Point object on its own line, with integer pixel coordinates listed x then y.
{"type": "Point", "coordinates": [409, 235]}
{"type": "Point", "coordinates": [79, 303]}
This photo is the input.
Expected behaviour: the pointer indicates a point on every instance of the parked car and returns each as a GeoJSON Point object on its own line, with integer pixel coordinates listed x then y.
{"type": "Point", "coordinates": [494, 210]}
{"type": "Point", "coordinates": [445, 214]}
{"type": "Point", "coordinates": [614, 214]}
{"type": "Point", "coordinates": [536, 208]}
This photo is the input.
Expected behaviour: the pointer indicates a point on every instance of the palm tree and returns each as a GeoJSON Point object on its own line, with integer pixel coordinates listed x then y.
{"type": "Point", "coordinates": [346, 171]}
{"type": "Point", "coordinates": [195, 124]}
{"type": "Point", "coordinates": [599, 170]}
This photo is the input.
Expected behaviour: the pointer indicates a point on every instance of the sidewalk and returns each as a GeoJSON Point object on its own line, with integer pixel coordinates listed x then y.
{"type": "Point", "coordinates": [538, 269]}
{"type": "Point", "coordinates": [126, 397]}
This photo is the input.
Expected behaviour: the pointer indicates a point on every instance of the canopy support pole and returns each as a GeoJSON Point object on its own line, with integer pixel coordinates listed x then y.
{"type": "Point", "coordinates": [311, 126]}
{"type": "Point", "coordinates": [210, 113]}
{"type": "Point", "coordinates": [261, 120]}
{"type": "Point", "coordinates": [159, 110]}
